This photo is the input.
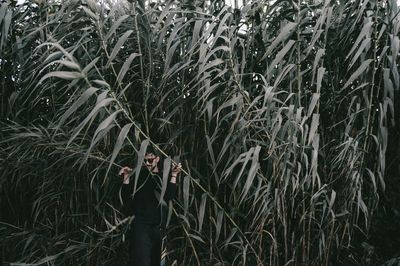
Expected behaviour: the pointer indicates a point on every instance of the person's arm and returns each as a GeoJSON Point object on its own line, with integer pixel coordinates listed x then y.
{"type": "Point", "coordinates": [171, 190]}
{"type": "Point", "coordinates": [171, 186]}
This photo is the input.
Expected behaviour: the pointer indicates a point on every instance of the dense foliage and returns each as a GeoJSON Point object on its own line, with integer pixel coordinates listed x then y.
{"type": "Point", "coordinates": [283, 113]}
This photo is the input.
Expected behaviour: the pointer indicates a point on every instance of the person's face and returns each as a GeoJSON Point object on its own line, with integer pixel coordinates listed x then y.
{"type": "Point", "coordinates": [151, 161]}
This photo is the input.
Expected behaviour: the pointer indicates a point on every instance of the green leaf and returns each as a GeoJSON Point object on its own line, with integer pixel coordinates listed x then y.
{"type": "Point", "coordinates": [313, 128]}
{"type": "Point", "coordinates": [165, 177]}
{"type": "Point", "coordinates": [91, 116]}
{"type": "Point", "coordinates": [106, 122]}
{"type": "Point", "coordinates": [118, 46]}
{"type": "Point", "coordinates": [125, 67]}
{"type": "Point", "coordinates": [255, 165]}
{"type": "Point", "coordinates": [118, 145]}
{"type": "Point", "coordinates": [79, 102]}
{"type": "Point", "coordinates": [202, 209]}
{"type": "Point", "coordinates": [89, 66]}
{"type": "Point", "coordinates": [59, 47]}
{"type": "Point", "coordinates": [318, 56]}
{"type": "Point", "coordinates": [115, 25]}
{"type": "Point", "coordinates": [284, 73]}
{"type": "Point", "coordinates": [365, 32]}
{"type": "Point", "coordinates": [6, 27]}
{"type": "Point", "coordinates": [363, 45]}
{"type": "Point", "coordinates": [313, 102]}
{"type": "Point", "coordinates": [285, 33]}
{"type": "Point", "coordinates": [186, 186]}
{"type": "Point", "coordinates": [218, 225]}
{"type": "Point", "coordinates": [221, 28]}
{"type": "Point", "coordinates": [320, 76]}
{"type": "Point", "coordinates": [67, 75]}
{"type": "Point", "coordinates": [66, 63]}
{"type": "Point", "coordinates": [279, 57]}
{"type": "Point", "coordinates": [3, 10]}
{"type": "Point", "coordinates": [196, 31]}
{"type": "Point", "coordinates": [141, 153]}
{"type": "Point", "coordinates": [395, 47]}
{"type": "Point", "coordinates": [332, 200]}
{"type": "Point", "coordinates": [90, 13]}
{"type": "Point", "coordinates": [96, 138]}
{"type": "Point", "coordinates": [358, 72]}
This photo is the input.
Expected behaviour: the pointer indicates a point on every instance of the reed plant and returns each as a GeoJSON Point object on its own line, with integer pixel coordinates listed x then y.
{"type": "Point", "coordinates": [281, 113]}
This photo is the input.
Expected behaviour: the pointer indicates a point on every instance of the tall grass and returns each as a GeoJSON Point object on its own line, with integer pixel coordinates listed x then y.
{"type": "Point", "coordinates": [279, 111]}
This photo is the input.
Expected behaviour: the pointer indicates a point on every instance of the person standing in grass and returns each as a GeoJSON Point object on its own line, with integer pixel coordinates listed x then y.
{"type": "Point", "coordinates": [148, 226]}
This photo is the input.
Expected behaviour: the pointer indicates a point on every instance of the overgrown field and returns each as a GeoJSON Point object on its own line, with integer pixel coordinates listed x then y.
{"type": "Point", "coordinates": [284, 114]}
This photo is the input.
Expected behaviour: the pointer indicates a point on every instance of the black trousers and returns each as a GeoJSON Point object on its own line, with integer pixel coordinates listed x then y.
{"type": "Point", "coordinates": [144, 244]}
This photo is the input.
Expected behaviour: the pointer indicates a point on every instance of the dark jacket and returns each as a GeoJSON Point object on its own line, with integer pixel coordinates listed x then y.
{"type": "Point", "coordinates": [144, 204]}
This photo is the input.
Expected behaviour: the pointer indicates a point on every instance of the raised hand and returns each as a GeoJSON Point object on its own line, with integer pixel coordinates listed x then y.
{"type": "Point", "coordinates": [176, 169]}
{"type": "Point", "coordinates": [125, 171]}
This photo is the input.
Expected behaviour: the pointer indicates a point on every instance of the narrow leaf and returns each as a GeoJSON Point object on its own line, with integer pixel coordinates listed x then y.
{"type": "Point", "coordinates": [318, 57]}
{"type": "Point", "coordinates": [252, 172]}
{"type": "Point", "coordinates": [363, 45]}
{"type": "Point", "coordinates": [364, 33]}
{"type": "Point", "coordinates": [186, 183]}
{"type": "Point", "coordinates": [166, 169]}
{"type": "Point", "coordinates": [125, 67]}
{"type": "Point", "coordinates": [314, 101]}
{"type": "Point", "coordinates": [62, 75]}
{"type": "Point", "coordinates": [313, 128]}
{"type": "Point", "coordinates": [118, 46]}
{"type": "Point", "coordinates": [115, 25]}
{"type": "Point", "coordinates": [90, 13]}
{"type": "Point", "coordinates": [358, 72]}
{"type": "Point", "coordinates": [91, 115]}
{"type": "Point", "coordinates": [106, 122]}
{"type": "Point", "coordinates": [90, 65]}
{"type": "Point", "coordinates": [118, 144]}
{"type": "Point", "coordinates": [81, 100]}
{"type": "Point", "coordinates": [280, 55]}
{"type": "Point", "coordinates": [218, 225]}
{"type": "Point", "coordinates": [283, 35]}
{"type": "Point", "coordinates": [202, 210]}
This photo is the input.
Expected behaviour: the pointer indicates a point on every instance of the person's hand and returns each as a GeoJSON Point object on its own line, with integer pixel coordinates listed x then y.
{"type": "Point", "coordinates": [176, 169]}
{"type": "Point", "coordinates": [125, 171]}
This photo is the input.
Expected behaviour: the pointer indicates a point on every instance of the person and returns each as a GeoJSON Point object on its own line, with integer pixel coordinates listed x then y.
{"type": "Point", "coordinates": [148, 226]}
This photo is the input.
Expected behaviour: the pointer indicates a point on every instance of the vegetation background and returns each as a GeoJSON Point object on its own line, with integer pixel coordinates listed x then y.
{"type": "Point", "coordinates": [284, 113]}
